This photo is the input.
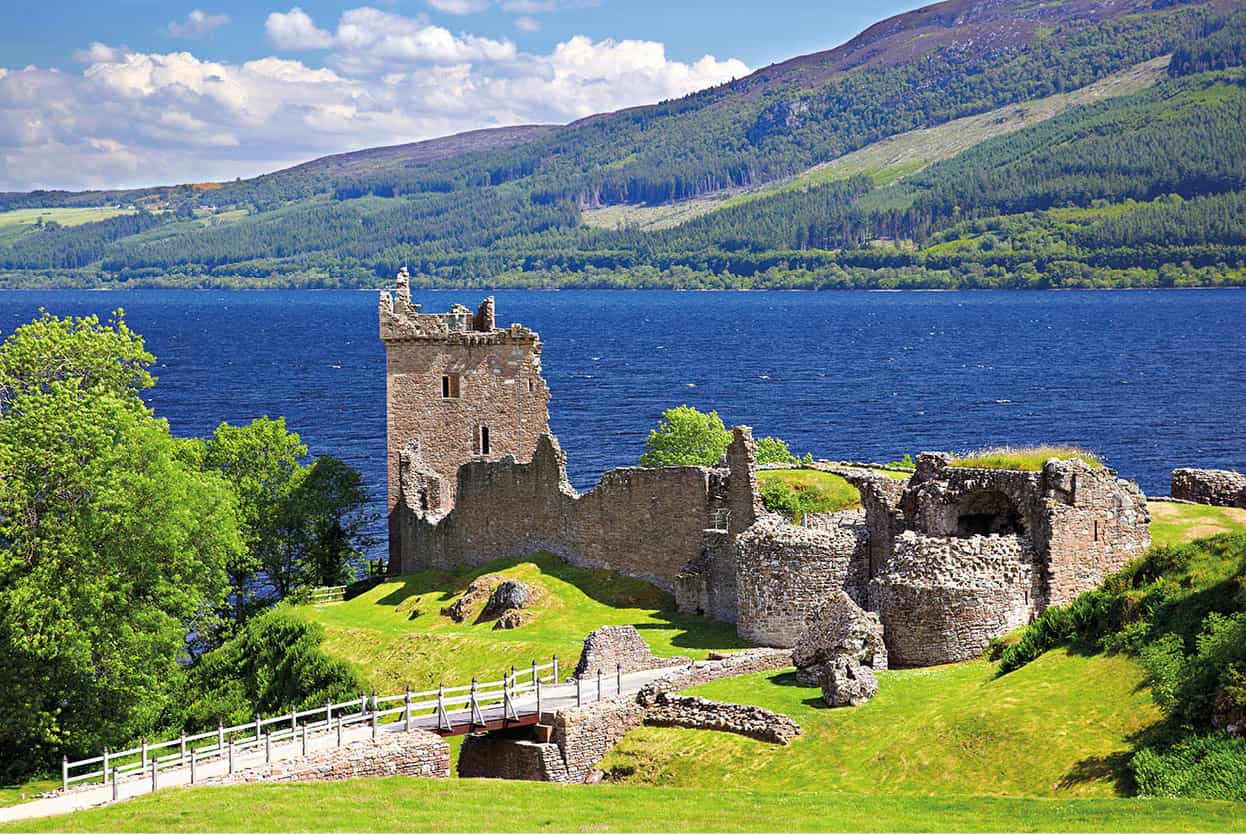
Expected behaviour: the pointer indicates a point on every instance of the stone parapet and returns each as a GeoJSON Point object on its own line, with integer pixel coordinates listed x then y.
{"type": "Point", "coordinates": [414, 753]}
{"type": "Point", "coordinates": [1216, 487]}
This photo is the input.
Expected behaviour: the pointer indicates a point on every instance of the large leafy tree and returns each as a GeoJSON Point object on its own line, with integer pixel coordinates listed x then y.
{"type": "Point", "coordinates": [686, 437]}
{"type": "Point", "coordinates": [303, 522]}
{"type": "Point", "coordinates": [112, 543]}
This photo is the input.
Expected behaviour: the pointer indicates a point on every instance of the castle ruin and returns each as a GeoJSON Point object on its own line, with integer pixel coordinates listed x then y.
{"type": "Point", "coordinates": [949, 558]}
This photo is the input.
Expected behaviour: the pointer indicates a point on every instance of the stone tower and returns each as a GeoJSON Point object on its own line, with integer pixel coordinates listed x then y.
{"type": "Point", "coordinates": [458, 389]}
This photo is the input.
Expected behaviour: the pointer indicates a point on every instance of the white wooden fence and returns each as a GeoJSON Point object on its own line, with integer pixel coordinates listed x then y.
{"type": "Point", "coordinates": [327, 594]}
{"type": "Point", "coordinates": [453, 706]}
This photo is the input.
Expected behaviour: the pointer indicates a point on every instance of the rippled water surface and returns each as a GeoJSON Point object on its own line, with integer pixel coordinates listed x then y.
{"type": "Point", "coordinates": [1151, 380]}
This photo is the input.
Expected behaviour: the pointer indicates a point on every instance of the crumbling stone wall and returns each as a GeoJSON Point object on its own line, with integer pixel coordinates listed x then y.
{"type": "Point", "coordinates": [664, 709]}
{"type": "Point", "coordinates": [785, 573]}
{"type": "Point", "coordinates": [610, 647]}
{"type": "Point", "coordinates": [414, 753]}
{"type": "Point", "coordinates": [942, 599]}
{"type": "Point", "coordinates": [646, 523]}
{"type": "Point", "coordinates": [1217, 487]}
{"type": "Point", "coordinates": [458, 389]}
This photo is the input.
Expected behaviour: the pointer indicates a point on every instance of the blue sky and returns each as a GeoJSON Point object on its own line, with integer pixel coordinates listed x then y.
{"type": "Point", "coordinates": [136, 92]}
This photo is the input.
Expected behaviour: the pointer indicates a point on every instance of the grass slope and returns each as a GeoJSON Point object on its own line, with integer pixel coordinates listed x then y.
{"type": "Point", "coordinates": [18, 223]}
{"type": "Point", "coordinates": [820, 492]}
{"type": "Point", "coordinates": [1062, 729]}
{"type": "Point", "coordinates": [892, 159]}
{"type": "Point", "coordinates": [1024, 458]}
{"type": "Point", "coordinates": [396, 634]}
{"type": "Point", "coordinates": [1173, 523]}
{"type": "Point", "coordinates": [402, 804]}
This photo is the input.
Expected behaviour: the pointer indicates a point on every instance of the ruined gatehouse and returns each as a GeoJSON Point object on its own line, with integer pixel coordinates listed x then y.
{"type": "Point", "coordinates": [948, 559]}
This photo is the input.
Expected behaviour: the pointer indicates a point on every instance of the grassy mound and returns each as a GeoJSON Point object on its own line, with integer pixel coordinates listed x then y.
{"type": "Point", "coordinates": [1061, 728]}
{"type": "Point", "coordinates": [794, 492]}
{"type": "Point", "coordinates": [1173, 523]}
{"type": "Point", "coordinates": [1181, 611]}
{"type": "Point", "coordinates": [1024, 458]}
{"type": "Point", "coordinates": [404, 804]}
{"type": "Point", "coordinates": [396, 634]}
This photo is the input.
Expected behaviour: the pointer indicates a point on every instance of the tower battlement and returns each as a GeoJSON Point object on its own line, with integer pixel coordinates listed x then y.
{"type": "Point", "coordinates": [402, 320]}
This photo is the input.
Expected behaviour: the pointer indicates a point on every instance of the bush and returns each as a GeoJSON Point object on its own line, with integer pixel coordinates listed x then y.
{"type": "Point", "coordinates": [773, 450]}
{"type": "Point", "coordinates": [272, 665]}
{"type": "Point", "coordinates": [1199, 767]}
{"type": "Point", "coordinates": [686, 437]}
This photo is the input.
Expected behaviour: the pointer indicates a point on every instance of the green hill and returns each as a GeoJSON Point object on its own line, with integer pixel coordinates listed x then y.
{"type": "Point", "coordinates": [1013, 143]}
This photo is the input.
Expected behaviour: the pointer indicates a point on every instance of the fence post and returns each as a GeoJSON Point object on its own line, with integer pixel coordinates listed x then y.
{"type": "Point", "coordinates": [555, 669]}
{"type": "Point", "coordinates": [375, 705]}
{"type": "Point", "coordinates": [598, 684]}
{"type": "Point", "coordinates": [534, 673]}
{"type": "Point", "coordinates": [194, 754]}
{"type": "Point", "coordinates": [328, 713]}
{"type": "Point", "coordinates": [538, 699]}
{"type": "Point", "coordinates": [294, 721]}
{"type": "Point", "coordinates": [471, 721]}
{"type": "Point", "coordinates": [618, 678]}
{"type": "Point", "coordinates": [155, 768]}
{"type": "Point", "coordinates": [512, 677]}
{"type": "Point", "coordinates": [372, 721]}
{"type": "Point", "coordinates": [406, 710]}
{"type": "Point", "coordinates": [441, 707]}
{"type": "Point", "coordinates": [105, 767]}
{"type": "Point", "coordinates": [259, 728]}
{"type": "Point", "coordinates": [144, 770]}
{"type": "Point", "coordinates": [579, 687]}
{"type": "Point", "coordinates": [304, 739]}
{"type": "Point", "coordinates": [114, 783]}
{"type": "Point", "coordinates": [231, 755]}
{"type": "Point", "coordinates": [268, 748]}
{"type": "Point", "coordinates": [181, 748]}
{"type": "Point", "coordinates": [220, 737]}
{"type": "Point", "coordinates": [339, 731]}
{"type": "Point", "coordinates": [363, 703]}
{"type": "Point", "coordinates": [64, 773]}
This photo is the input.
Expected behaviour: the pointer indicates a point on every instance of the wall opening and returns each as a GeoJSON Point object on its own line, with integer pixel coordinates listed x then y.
{"type": "Point", "coordinates": [484, 440]}
{"type": "Point", "coordinates": [450, 387]}
{"type": "Point", "coordinates": [986, 512]}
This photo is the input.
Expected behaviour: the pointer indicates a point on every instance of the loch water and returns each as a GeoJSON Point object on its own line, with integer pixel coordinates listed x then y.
{"type": "Point", "coordinates": [1149, 379]}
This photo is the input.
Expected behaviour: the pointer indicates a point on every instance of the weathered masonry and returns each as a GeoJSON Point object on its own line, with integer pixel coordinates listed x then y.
{"type": "Point", "coordinates": [948, 559]}
{"type": "Point", "coordinates": [458, 389]}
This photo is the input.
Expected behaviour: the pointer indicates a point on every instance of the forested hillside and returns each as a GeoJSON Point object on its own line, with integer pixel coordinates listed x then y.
{"type": "Point", "coordinates": [1137, 189]}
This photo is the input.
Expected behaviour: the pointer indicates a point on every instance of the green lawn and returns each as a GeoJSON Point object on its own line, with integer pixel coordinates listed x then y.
{"type": "Point", "coordinates": [1062, 729]}
{"type": "Point", "coordinates": [396, 634]}
{"type": "Point", "coordinates": [1024, 458]}
{"type": "Point", "coordinates": [13, 794]}
{"type": "Point", "coordinates": [1173, 523]}
{"type": "Point", "coordinates": [18, 223]}
{"type": "Point", "coordinates": [400, 804]}
{"type": "Point", "coordinates": [817, 491]}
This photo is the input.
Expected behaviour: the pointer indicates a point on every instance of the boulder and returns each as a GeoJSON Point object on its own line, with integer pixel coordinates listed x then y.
{"type": "Point", "coordinates": [840, 628]}
{"type": "Point", "coordinates": [509, 595]}
{"type": "Point", "coordinates": [846, 683]}
{"type": "Point", "coordinates": [481, 588]}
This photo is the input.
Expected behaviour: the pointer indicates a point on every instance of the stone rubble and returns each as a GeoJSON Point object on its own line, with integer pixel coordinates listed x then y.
{"type": "Point", "coordinates": [840, 629]}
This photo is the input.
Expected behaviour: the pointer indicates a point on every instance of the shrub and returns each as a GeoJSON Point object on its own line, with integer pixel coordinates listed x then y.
{"type": "Point", "coordinates": [1198, 767]}
{"type": "Point", "coordinates": [773, 450]}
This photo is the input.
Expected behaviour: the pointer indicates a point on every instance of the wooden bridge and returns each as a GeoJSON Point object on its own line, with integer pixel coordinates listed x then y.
{"type": "Point", "coordinates": [518, 699]}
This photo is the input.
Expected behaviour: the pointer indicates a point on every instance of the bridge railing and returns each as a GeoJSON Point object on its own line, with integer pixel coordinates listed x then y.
{"type": "Point", "coordinates": [190, 750]}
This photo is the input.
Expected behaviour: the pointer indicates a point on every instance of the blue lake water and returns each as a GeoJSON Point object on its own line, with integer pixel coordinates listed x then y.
{"type": "Point", "coordinates": [1151, 380]}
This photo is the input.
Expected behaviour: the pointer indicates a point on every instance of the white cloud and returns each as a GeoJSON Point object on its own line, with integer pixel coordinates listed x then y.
{"type": "Point", "coordinates": [295, 30]}
{"type": "Point", "coordinates": [198, 24]}
{"type": "Point", "coordinates": [528, 24]}
{"type": "Point", "coordinates": [131, 118]}
{"type": "Point", "coordinates": [459, 6]}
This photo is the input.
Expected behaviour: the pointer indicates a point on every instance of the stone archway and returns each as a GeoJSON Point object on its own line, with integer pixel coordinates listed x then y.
{"type": "Point", "coordinates": [986, 512]}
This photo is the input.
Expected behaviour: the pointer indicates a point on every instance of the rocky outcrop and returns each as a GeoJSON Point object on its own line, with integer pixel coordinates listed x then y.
{"type": "Point", "coordinates": [841, 629]}
{"type": "Point", "coordinates": [846, 683]}
{"type": "Point", "coordinates": [477, 592]}
{"type": "Point", "coordinates": [1217, 487]}
{"type": "Point", "coordinates": [612, 647]}
{"type": "Point", "coordinates": [509, 595]}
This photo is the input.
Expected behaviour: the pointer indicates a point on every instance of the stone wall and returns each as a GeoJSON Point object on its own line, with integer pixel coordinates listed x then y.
{"type": "Point", "coordinates": [667, 710]}
{"type": "Point", "coordinates": [586, 734]}
{"type": "Point", "coordinates": [785, 573]}
{"type": "Point", "coordinates": [414, 753]}
{"type": "Point", "coordinates": [493, 756]}
{"type": "Point", "coordinates": [942, 600]}
{"type": "Point", "coordinates": [611, 646]}
{"type": "Point", "coordinates": [1217, 487]}
{"type": "Point", "coordinates": [647, 523]}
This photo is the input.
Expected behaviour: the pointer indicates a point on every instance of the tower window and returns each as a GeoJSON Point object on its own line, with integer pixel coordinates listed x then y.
{"type": "Point", "coordinates": [531, 386]}
{"type": "Point", "coordinates": [484, 440]}
{"type": "Point", "coordinates": [450, 387]}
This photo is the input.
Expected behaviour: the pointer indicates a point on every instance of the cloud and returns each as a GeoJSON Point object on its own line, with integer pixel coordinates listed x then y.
{"type": "Point", "coordinates": [459, 6]}
{"type": "Point", "coordinates": [545, 6]}
{"type": "Point", "coordinates": [133, 118]}
{"type": "Point", "coordinates": [295, 30]}
{"type": "Point", "coordinates": [528, 24]}
{"type": "Point", "coordinates": [198, 24]}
